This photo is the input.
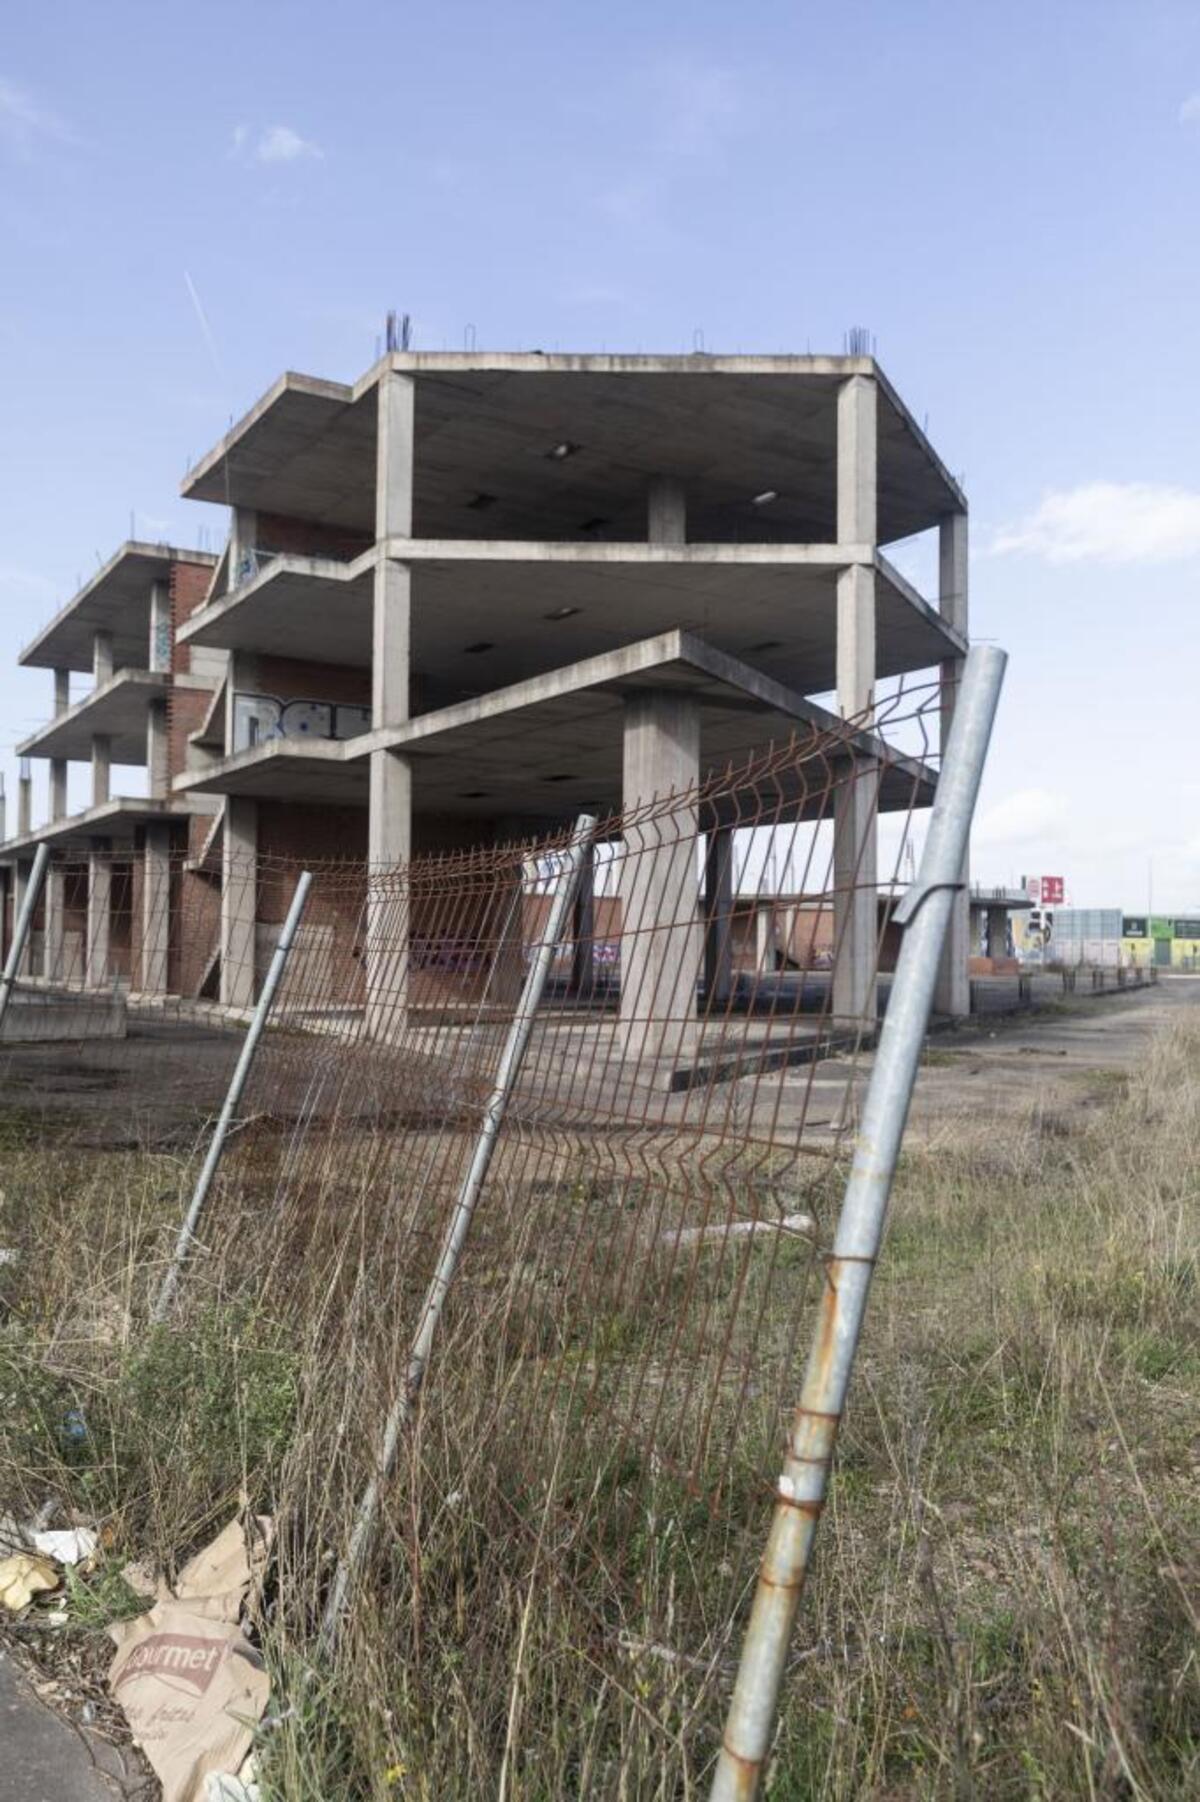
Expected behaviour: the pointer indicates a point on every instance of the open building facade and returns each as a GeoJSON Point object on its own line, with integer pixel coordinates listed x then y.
{"type": "Point", "coordinates": [464, 600]}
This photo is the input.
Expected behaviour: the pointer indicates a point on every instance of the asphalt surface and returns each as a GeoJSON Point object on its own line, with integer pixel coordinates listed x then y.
{"type": "Point", "coordinates": [43, 1758]}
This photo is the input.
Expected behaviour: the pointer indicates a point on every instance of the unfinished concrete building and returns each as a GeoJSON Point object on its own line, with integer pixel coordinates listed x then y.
{"type": "Point", "coordinates": [472, 594]}
{"type": "Point", "coordinates": [466, 598]}
{"type": "Point", "coordinates": [105, 912]}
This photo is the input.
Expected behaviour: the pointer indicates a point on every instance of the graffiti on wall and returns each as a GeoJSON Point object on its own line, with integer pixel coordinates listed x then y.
{"type": "Point", "coordinates": [260, 718]}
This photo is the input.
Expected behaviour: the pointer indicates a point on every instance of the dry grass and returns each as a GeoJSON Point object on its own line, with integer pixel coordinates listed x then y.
{"type": "Point", "coordinates": [1004, 1604]}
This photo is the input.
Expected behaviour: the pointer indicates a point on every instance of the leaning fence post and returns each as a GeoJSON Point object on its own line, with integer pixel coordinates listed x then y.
{"type": "Point", "coordinates": [237, 1084]}
{"type": "Point", "coordinates": [511, 1058]}
{"type": "Point", "coordinates": [21, 929]}
{"type": "Point", "coordinates": [924, 912]}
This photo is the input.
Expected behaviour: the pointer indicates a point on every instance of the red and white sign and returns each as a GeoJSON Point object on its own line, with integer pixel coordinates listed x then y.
{"type": "Point", "coordinates": [1046, 891]}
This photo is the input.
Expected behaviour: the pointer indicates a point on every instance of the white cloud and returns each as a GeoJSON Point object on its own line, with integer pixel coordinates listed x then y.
{"type": "Point", "coordinates": [25, 122]}
{"type": "Point", "coordinates": [1189, 112]}
{"type": "Point", "coordinates": [1026, 813]}
{"type": "Point", "coordinates": [273, 144]}
{"type": "Point", "coordinates": [1108, 522]}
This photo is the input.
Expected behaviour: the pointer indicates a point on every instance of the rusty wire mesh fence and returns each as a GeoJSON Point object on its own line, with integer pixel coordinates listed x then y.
{"type": "Point", "coordinates": [579, 1497]}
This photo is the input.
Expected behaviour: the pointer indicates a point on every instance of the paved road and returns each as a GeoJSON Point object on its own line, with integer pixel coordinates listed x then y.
{"type": "Point", "coordinates": [45, 1759]}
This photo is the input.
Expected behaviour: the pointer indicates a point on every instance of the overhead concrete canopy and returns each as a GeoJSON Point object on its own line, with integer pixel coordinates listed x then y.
{"type": "Point", "coordinates": [116, 821]}
{"type": "Point", "coordinates": [486, 613]}
{"type": "Point", "coordinates": [116, 710]}
{"type": "Point", "coordinates": [546, 748]}
{"type": "Point", "coordinates": [116, 600]}
{"type": "Point", "coordinates": [488, 425]}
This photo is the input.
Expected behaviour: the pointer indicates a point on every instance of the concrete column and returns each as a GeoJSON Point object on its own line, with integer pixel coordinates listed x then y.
{"type": "Point", "coordinates": [54, 924]}
{"type": "Point", "coordinates": [997, 932]}
{"type": "Point", "coordinates": [158, 763]}
{"type": "Point", "coordinates": [158, 650]}
{"type": "Point", "coordinates": [25, 799]}
{"type": "Point", "coordinates": [506, 933]}
{"type": "Point", "coordinates": [953, 993]}
{"type": "Point", "coordinates": [239, 901]}
{"type": "Point", "coordinates": [764, 938]}
{"type": "Point", "coordinates": [243, 539]}
{"type": "Point", "coordinates": [662, 940]}
{"type": "Point", "coordinates": [856, 800]}
{"type": "Point", "coordinates": [101, 769]}
{"type": "Point", "coordinates": [99, 915]}
{"type": "Point", "coordinates": [58, 788]}
{"type": "Point", "coordinates": [390, 816]}
{"type": "Point", "coordinates": [58, 765]}
{"type": "Point", "coordinates": [666, 513]}
{"type": "Point", "coordinates": [583, 930]}
{"type": "Point", "coordinates": [102, 658]}
{"type": "Point", "coordinates": [718, 919]}
{"type": "Point", "coordinates": [22, 871]}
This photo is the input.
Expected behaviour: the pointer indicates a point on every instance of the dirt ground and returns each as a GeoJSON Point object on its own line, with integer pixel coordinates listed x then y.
{"type": "Point", "coordinates": [1057, 1055]}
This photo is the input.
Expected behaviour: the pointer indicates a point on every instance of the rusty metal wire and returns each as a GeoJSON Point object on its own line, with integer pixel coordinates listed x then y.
{"type": "Point", "coordinates": [605, 1410]}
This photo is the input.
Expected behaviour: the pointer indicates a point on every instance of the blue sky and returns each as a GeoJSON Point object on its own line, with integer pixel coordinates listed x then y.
{"type": "Point", "coordinates": [195, 198]}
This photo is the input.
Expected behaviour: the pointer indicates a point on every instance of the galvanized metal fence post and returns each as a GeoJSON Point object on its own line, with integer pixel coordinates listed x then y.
{"type": "Point", "coordinates": [21, 929]}
{"type": "Point", "coordinates": [511, 1058]}
{"type": "Point", "coordinates": [274, 976]}
{"type": "Point", "coordinates": [924, 912]}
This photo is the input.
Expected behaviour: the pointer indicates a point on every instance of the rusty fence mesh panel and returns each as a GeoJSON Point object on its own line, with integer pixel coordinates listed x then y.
{"type": "Point", "coordinates": [591, 1463]}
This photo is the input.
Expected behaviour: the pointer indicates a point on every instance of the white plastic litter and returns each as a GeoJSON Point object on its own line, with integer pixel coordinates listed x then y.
{"type": "Point", "coordinates": [71, 1546]}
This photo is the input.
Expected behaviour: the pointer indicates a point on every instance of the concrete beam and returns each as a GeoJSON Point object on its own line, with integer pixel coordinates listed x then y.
{"type": "Point", "coordinates": [953, 992]}
{"type": "Point", "coordinates": [239, 902]}
{"type": "Point", "coordinates": [662, 941]}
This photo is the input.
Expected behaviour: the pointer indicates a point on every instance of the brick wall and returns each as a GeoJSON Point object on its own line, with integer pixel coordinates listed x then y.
{"type": "Point", "coordinates": [291, 679]}
{"type": "Point", "coordinates": [299, 833]}
{"type": "Point", "coordinates": [195, 928]}
{"type": "Point", "coordinates": [188, 586]}
{"type": "Point", "coordinates": [307, 538]}
{"type": "Point", "coordinates": [186, 710]}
